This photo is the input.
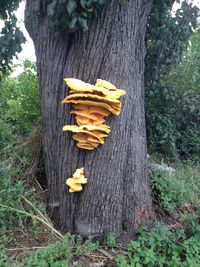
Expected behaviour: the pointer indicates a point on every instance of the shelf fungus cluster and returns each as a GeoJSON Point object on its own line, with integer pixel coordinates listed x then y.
{"type": "Point", "coordinates": [91, 105]}
{"type": "Point", "coordinates": [75, 183]}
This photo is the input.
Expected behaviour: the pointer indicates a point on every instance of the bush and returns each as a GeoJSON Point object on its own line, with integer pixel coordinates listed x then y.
{"type": "Point", "coordinates": [11, 201]}
{"type": "Point", "coordinates": [19, 106]}
{"type": "Point", "coordinates": [172, 95]}
{"type": "Point", "coordinates": [59, 254]}
{"type": "Point", "coordinates": [168, 190]}
{"type": "Point", "coordinates": [173, 122]}
{"type": "Point", "coordinates": [177, 189]}
{"type": "Point", "coordinates": [161, 247]}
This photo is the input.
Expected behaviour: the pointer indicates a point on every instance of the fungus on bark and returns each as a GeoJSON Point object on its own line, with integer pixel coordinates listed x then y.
{"type": "Point", "coordinates": [92, 104]}
{"type": "Point", "coordinates": [75, 183]}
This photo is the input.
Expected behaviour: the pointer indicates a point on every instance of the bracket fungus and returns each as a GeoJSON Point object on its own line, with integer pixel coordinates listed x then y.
{"type": "Point", "coordinates": [92, 104]}
{"type": "Point", "coordinates": [75, 183]}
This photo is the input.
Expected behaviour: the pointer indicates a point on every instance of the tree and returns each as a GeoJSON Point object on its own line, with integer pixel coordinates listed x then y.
{"type": "Point", "coordinates": [117, 198]}
{"type": "Point", "coordinates": [166, 39]}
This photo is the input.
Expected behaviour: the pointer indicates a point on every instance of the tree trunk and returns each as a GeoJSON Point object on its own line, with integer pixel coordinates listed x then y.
{"type": "Point", "coordinates": [117, 197]}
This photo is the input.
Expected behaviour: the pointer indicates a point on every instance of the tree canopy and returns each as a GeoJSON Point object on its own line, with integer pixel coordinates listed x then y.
{"type": "Point", "coordinates": [167, 37]}
{"type": "Point", "coordinates": [11, 37]}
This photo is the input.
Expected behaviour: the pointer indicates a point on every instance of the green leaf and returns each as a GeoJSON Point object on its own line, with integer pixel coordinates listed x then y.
{"type": "Point", "coordinates": [83, 23]}
{"type": "Point", "coordinates": [83, 3]}
{"type": "Point", "coordinates": [72, 24]}
{"type": "Point", "coordinates": [71, 6]}
{"type": "Point", "coordinates": [51, 8]}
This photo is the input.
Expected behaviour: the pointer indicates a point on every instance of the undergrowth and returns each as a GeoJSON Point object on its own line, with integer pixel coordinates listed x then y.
{"type": "Point", "coordinates": [178, 189]}
{"type": "Point", "coordinates": [161, 247]}
{"type": "Point", "coordinates": [60, 254]}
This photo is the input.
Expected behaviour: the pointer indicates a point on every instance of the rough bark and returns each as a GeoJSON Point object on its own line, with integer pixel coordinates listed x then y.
{"type": "Point", "coordinates": [117, 198]}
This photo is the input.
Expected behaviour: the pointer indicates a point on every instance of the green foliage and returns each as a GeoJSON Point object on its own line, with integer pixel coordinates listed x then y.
{"type": "Point", "coordinates": [11, 196]}
{"type": "Point", "coordinates": [170, 119]}
{"type": "Point", "coordinates": [83, 248]}
{"type": "Point", "coordinates": [166, 37]}
{"type": "Point", "coordinates": [184, 80]}
{"type": "Point", "coordinates": [168, 190]}
{"type": "Point", "coordinates": [175, 128]}
{"type": "Point", "coordinates": [65, 15]}
{"type": "Point", "coordinates": [161, 247]}
{"type": "Point", "coordinates": [182, 187]}
{"type": "Point", "coordinates": [19, 112]}
{"type": "Point", "coordinates": [186, 75]}
{"type": "Point", "coordinates": [59, 254]}
{"type": "Point", "coordinates": [15, 213]}
{"type": "Point", "coordinates": [11, 37]}
{"type": "Point", "coordinates": [111, 240]}
{"type": "Point", "coordinates": [70, 15]}
{"type": "Point", "coordinates": [7, 7]}
{"type": "Point", "coordinates": [19, 106]}
{"type": "Point", "coordinates": [73, 14]}
{"type": "Point", "coordinates": [188, 127]}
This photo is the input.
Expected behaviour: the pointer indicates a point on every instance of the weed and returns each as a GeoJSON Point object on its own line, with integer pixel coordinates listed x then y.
{"type": "Point", "coordinates": [111, 240]}
{"type": "Point", "coordinates": [177, 189]}
{"type": "Point", "coordinates": [161, 247]}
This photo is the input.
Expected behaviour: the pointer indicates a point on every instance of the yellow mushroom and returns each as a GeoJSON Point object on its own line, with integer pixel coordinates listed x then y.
{"type": "Point", "coordinates": [115, 110]}
{"type": "Point", "coordinates": [99, 110]}
{"type": "Point", "coordinates": [101, 88]}
{"type": "Point", "coordinates": [78, 85]}
{"type": "Point", "coordinates": [86, 146]}
{"type": "Point", "coordinates": [80, 137]}
{"type": "Point", "coordinates": [79, 177]}
{"type": "Point", "coordinates": [105, 84]}
{"type": "Point", "coordinates": [75, 183]}
{"type": "Point", "coordinates": [90, 115]}
{"type": "Point", "coordinates": [82, 107]}
{"type": "Point", "coordinates": [92, 109]}
{"type": "Point", "coordinates": [103, 128]}
{"type": "Point", "coordinates": [112, 102]}
{"type": "Point", "coordinates": [100, 134]}
{"type": "Point", "coordinates": [92, 104]}
{"type": "Point", "coordinates": [81, 120]}
{"type": "Point", "coordinates": [87, 141]}
{"type": "Point", "coordinates": [82, 113]}
{"type": "Point", "coordinates": [88, 136]}
{"type": "Point", "coordinates": [80, 129]}
{"type": "Point", "coordinates": [85, 138]}
{"type": "Point", "coordinates": [111, 87]}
